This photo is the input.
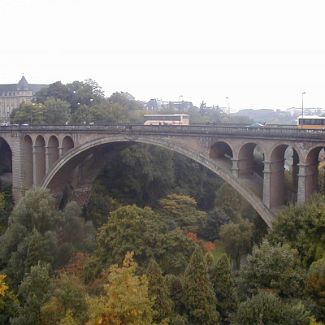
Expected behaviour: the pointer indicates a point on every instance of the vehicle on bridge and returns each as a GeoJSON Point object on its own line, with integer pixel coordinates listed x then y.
{"type": "Point", "coordinates": [311, 122]}
{"type": "Point", "coordinates": [166, 119]}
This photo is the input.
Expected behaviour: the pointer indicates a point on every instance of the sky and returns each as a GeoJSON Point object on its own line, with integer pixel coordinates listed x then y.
{"type": "Point", "coordinates": [257, 53]}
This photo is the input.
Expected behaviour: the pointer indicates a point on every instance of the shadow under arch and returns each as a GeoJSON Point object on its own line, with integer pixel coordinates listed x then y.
{"type": "Point", "coordinates": [226, 175]}
{"type": "Point", "coordinates": [5, 161]}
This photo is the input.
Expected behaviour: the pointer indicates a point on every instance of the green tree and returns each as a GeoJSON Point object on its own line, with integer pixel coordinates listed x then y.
{"type": "Point", "coordinates": [315, 286]}
{"type": "Point", "coordinates": [126, 299]}
{"type": "Point", "coordinates": [224, 288]}
{"type": "Point", "coordinates": [68, 297]}
{"type": "Point", "coordinates": [199, 298]}
{"type": "Point", "coordinates": [303, 228]}
{"type": "Point", "coordinates": [158, 293]}
{"type": "Point", "coordinates": [129, 228]}
{"type": "Point", "coordinates": [173, 252]}
{"type": "Point", "coordinates": [30, 113]}
{"type": "Point", "coordinates": [266, 308]}
{"type": "Point", "coordinates": [237, 239]}
{"type": "Point", "coordinates": [277, 268]}
{"type": "Point", "coordinates": [181, 211]}
{"type": "Point", "coordinates": [57, 111]}
{"type": "Point", "coordinates": [33, 292]}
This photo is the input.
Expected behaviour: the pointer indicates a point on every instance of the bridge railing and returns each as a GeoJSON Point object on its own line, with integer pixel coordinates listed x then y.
{"type": "Point", "coordinates": [191, 130]}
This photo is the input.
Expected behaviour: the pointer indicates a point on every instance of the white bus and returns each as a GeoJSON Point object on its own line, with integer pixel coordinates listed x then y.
{"type": "Point", "coordinates": [167, 119]}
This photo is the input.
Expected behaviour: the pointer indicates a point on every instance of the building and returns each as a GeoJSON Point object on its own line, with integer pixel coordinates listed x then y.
{"type": "Point", "coordinates": [12, 95]}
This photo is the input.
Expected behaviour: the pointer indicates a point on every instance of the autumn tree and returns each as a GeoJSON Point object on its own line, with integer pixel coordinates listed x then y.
{"type": "Point", "coordinates": [199, 298]}
{"type": "Point", "coordinates": [8, 301]}
{"type": "Point", "coordinates": [68, 297]}
{"type": "Point", "coordinates": [126, 299]}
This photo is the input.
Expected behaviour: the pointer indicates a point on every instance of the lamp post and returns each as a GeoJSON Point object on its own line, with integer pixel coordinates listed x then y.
{"type": "Point", "coordinates": [228, 105]}
{"type": "Point", "coordinates": [302, 107]}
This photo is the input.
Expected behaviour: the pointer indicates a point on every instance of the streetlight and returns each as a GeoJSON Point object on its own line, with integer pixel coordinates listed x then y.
{"type": "Point", "coordinates": [302, 107]}
{"type": "Point", "coordinates": [228, 105]}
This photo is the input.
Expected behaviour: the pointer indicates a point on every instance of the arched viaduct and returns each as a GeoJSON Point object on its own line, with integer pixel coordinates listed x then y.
{"type": "Point", "coordinates": [267, 166]}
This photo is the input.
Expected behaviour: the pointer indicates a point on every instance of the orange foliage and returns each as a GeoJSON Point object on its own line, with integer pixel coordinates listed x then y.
{"type": "Point", "coordinates": [207, 246]}
{"type": "Point", "coordinates": [192, 236]}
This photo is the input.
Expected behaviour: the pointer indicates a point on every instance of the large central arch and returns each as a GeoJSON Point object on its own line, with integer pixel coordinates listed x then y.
{"type": "Point", "coordinates": [212, 165]}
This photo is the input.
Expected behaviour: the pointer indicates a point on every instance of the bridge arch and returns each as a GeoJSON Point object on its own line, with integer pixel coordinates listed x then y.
{"type": "Point", "coordinates": [206, 161]}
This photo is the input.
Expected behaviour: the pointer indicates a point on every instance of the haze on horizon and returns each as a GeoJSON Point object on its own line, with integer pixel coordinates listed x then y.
{"type": "Point", "coordinates": [260, 54]}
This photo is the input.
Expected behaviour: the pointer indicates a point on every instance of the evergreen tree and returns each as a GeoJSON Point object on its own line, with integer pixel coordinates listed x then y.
{"type": "Point", "coordinates": [224, 288]}
{"type": "Point", "coordinates": [266, 308]}
{"type": "Point", "coordinates": [158, 292]}
{"type": "Point", "coordinates": [199, 298]}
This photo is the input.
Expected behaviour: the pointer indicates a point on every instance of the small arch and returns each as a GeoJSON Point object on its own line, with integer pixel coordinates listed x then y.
{"type": "Point", "coordinates": [28, 162]}
{"type": "Point", "coordinates": [67, 144]}
{"type": "Point", "coordinates": [52, 151]}
{"type": "Point", "coordinates": [250, 160]}
{"type": "Point", "coordinates": [39, 163]}
{"type": "Point", "coordinates": [222, 152]}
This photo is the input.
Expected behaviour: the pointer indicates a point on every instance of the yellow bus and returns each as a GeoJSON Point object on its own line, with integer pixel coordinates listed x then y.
{"type": "Point", "coordinates": [166, 119]}
{"type": "Point", "coordinates": [311, 122]}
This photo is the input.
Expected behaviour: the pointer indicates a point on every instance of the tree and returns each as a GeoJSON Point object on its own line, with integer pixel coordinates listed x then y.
{"type": "Point", "coordinates": [224, 288]}
{"type": "Point", "coordinates": [8, 301]}
{"type": "Point", "coordinates": [129, 228]}
{"type": "Point", "coordinates": [276, 268]}
{"type": "Point", "coordinates": [173, 251]}
{"type": "Point", "coordinates": [181, 211]}
{"type": "Point", "coordinates": [267, 308]}
{"type": "Point", "coordinates": [303, 228]}
{"type": "Point", "coordinates": [158, 293]}
{"type": "Point", "coordinates": [126, 299]}
{"type": "Point", "coordinates": [216, 218]}
{"type": "Point", "coordinates": [237, 239]}
{"type": "Point", "coordinates": [33, 292]}
{"type": "Point", "coordinates": [315, 286]}
{"type": "Point", "coordinates": [199, 297]}
{"type": "Point", "coordinates": [30, 113]}
{"type": "Point", "coordinates": [57, 111]}
{"type": "Point", "coordinates": [68, 297]}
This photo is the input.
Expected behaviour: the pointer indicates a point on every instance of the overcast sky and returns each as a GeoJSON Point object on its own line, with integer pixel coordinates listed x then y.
{"type": "Point", "coordinates": [260, 54]}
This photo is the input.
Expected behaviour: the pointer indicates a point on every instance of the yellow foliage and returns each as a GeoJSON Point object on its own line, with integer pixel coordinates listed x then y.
{"type": "Point", "coordinates": [126, 299]}
{"type": "Point", "coordinates": [3, 287]}
{"type": "Point", "coordinates": [314, 322]}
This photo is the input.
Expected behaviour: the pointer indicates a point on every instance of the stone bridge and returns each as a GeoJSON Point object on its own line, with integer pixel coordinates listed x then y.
{"type": "Point", "coordinates": [268, 166]}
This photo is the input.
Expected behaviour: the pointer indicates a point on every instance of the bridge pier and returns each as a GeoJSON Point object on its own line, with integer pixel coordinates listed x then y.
{"type": "Point", "coordinates": [307, 181]}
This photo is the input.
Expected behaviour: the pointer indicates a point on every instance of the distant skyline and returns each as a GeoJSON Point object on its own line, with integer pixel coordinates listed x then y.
{"type": "Point", "coordinates": [259, 54]}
